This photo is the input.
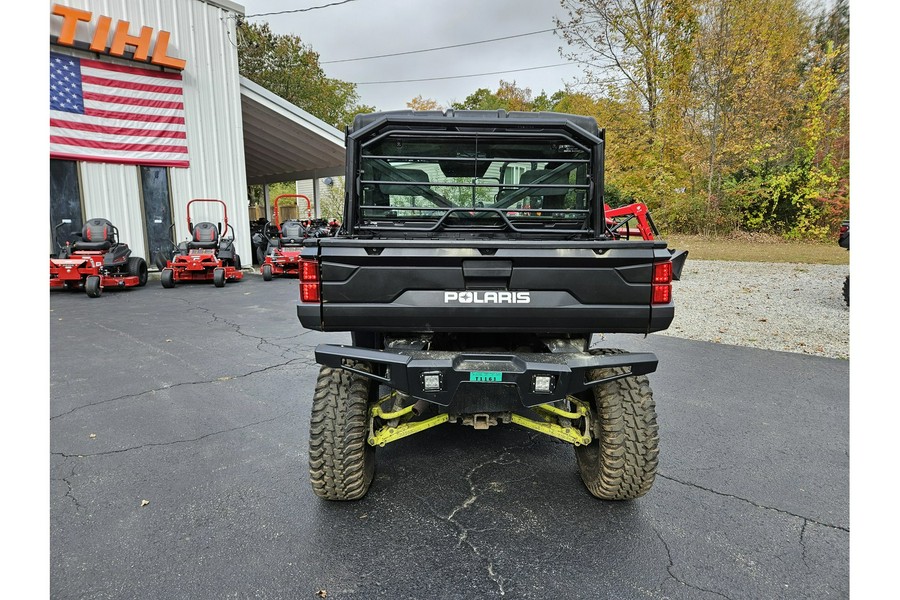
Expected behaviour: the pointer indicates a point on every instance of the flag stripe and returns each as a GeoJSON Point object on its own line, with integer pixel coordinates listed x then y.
{"type": "Point", "coordinates": [113, 113]}
{"type": "Point", "coordinates": [128, 77]}
{"type": "Point", "coordinates": [126, 147]}
{"type": "Point", "coordinates": [129, 85]}
{"type": "Point", "coordinates": [114, 122]}
{"type": "Point", "coordinates": [132, 101]}
{"type": "Point", "coordinates": [132, 158]}
{"type": "Point", "coordinates": [123, 93]}
{"type": "Point", "coordinates": [99, 137]}
{"type": "Point", "coordinates": [96, 64]}
{"type": "Point", "coordinates": [116, 131]}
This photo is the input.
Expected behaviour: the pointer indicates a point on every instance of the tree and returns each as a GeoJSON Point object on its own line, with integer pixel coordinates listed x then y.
{"type": "Point", "coordinates": [286, 66]}
{"type": "Point", "coordinates": [507, 97]}
{"type": "Point", "coordinates": [625, 45]}
{"type": "Point", "coordinates": [419, 103]}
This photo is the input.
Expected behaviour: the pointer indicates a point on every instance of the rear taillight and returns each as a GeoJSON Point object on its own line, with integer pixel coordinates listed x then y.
{"type": "Point", "coordinates": [662, 283]}
{"type": "Point", "coordinates": [310, 285]}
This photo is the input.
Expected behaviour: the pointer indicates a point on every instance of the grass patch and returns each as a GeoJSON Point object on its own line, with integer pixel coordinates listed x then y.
{"type": "Point", "coordinates": [759, 248]}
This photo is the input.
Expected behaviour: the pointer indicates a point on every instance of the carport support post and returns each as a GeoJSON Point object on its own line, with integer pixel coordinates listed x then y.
{"type": "Point", "coordinates": [315, 197]}
{"type": "Point", "coordinates": [266, 199]}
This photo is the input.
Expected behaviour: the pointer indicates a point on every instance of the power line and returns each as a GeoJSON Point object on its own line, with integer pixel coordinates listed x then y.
{"type": "Point", "coordinates": [508, 37]}
{"type": "Point", "coordinates": [299, 10]}
{"type": "Point", "coordinates": [462, 76]}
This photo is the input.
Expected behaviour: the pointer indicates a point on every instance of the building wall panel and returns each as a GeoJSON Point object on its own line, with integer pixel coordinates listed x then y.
{"type": "Point", "coordinates": [203, 34]}
{"type": "Point", "coordinates": [114, 193]}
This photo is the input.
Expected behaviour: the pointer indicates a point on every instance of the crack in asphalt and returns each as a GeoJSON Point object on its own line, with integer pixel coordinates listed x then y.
{"type": "Point", "coordinates": [261, 341]}
{"type": "Point", "coordinates": [756, 504]}
{"type": "Point", "coordinates": [463, 531]}
{"type": "Point", "coordinates": [70, 491]}
{"type": "Point", "coordinates": [671, 566]}
{"type": "Point", "coordinates": [300, 360]}
{"type": "Point", "coordinates": [803, 544]}
{"type": "Point", "coordinates": [173, 442]}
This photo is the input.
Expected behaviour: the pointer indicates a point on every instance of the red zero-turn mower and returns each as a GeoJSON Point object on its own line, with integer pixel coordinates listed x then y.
{"type": "Point", "coordinates": [283, 251]}
{"type": "Point", "coordinates": [95, 260]}
{"type": "Point", "coordinates": [208, 256]}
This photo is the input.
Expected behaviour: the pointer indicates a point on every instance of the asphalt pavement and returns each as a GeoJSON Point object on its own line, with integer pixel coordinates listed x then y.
{"type": "Point", "coordinates": [178, 470]}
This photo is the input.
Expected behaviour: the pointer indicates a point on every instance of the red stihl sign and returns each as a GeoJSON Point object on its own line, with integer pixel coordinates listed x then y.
{"type": "Point", "coordinates": [121, 38]}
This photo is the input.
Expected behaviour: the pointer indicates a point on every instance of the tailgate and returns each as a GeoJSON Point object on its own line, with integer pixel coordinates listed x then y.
{"type": "Point", "coordinates": [469, 285]}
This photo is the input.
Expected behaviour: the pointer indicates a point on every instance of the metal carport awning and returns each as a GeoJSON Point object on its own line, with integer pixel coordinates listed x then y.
{"type": "Point", "coordinates": [285, 143]}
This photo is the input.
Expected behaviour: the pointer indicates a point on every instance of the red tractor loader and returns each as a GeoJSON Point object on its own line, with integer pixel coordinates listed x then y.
{"type": "Point", "coordinates": [208, 256]}
{"type": "Point", "coordinates": [619, 227]}
{"type": "Point", "coordinates": [95, 260]}
{"type": "Point", "coordinates": [285, 240]}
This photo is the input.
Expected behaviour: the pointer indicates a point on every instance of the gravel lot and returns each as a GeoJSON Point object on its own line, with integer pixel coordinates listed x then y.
{"type": "Point", "coordinates": [774, 306]}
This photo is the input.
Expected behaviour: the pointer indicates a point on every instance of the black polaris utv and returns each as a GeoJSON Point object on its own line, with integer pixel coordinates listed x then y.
{"type": "Point", "coordinates": [475, 260]}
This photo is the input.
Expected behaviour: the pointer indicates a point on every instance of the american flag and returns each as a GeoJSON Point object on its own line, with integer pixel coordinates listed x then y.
{"type": "Point", "coordinates": [112, 113]}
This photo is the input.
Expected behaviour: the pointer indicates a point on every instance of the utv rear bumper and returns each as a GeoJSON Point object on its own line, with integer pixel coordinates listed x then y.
{"type": "Point", "coordinates": [438, 376]}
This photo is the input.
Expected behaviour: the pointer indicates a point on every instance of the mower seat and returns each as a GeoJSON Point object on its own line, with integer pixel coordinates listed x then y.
{"type": "Point", "coordinates": [206, 237]}
{"type": "Point", "coordinates": [96, 235]}
{"type": "Point", "coordinates": [292, 233]}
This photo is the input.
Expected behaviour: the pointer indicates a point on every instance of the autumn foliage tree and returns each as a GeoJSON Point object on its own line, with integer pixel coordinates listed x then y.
{"type": "Point", "coordinates": [286, 66]}
{"type": "Point", "coordinates": [720, 114]}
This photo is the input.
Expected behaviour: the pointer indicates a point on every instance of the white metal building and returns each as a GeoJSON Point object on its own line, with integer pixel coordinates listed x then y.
{"type": "Point", "coordinates": [230, 131]}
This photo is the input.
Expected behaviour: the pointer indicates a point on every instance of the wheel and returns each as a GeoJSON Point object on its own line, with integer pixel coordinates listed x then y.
{"type": "Point", "coordinates": [847, 290]}
{"type": "Point", "coordinates": [137, 267]}
{"type": "Point", "coordinates": [92, 286]}
{"type": "Point", "coordinates": [219, 277]}
{"type": "Point", "coordinates": [266, 272]}
{"type": "Point", "coordinates": [161, 260]}
{"type": "Point", "coordinates": [341, 461]}
{"type": "Point", "coordinates": [167, 278]}
{"type": "Point", "coordinates": [237, 262]}
{"type": "Point", "coordinates": [620, 462]}
{"type": "Point", "coordinates": [261, 254]}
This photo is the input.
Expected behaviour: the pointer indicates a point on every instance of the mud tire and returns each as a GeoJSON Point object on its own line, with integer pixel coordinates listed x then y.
{"type": "Point", "coordinates": [620, 463]}
{"type": "Point", "coordinates": [341, 461]}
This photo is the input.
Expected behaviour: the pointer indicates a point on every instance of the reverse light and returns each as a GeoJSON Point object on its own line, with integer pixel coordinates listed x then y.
{"type": "Point", "coordinates": [662, 283]}
{"type": "Point", "coordinates": [542, 384]}
{"type": "Point", "coordinates": [310, 286]}
{"type": "Point", "coordinates": [431, 381]}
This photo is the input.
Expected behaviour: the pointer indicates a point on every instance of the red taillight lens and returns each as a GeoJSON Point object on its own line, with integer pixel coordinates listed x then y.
{"type": "Point", "coordinates": [662, 283]}
{"type": "Point", "coordinates": [662, 272]}
{"type": "Point", "coordinates": [309, 292]}
{"type": "Point", "coordinates": [309, 281]}
{"type": "Point", "coordinates": [662, 294]}
{"type": "Point", "coordinates": [309, 272]}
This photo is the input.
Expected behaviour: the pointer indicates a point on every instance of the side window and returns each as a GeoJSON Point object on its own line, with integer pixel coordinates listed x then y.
{"type": "Point", "coordinates": [65, 202]}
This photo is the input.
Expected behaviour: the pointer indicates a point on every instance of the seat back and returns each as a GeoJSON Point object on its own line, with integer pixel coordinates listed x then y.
{"type": "Point", "coordinates": [549, 197]}
{"type": "Point", "coordinates": [292, 232]}
{"type": "Point", "coordinates": [404, 175]}
{"type": "Point", "coordinates": [206, 236]}
{"type": "Point", "coordinates": [97, 234]}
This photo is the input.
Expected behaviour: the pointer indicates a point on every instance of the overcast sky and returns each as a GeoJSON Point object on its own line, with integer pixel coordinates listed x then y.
{"type": "Point", "coordinates": [371, 27]}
